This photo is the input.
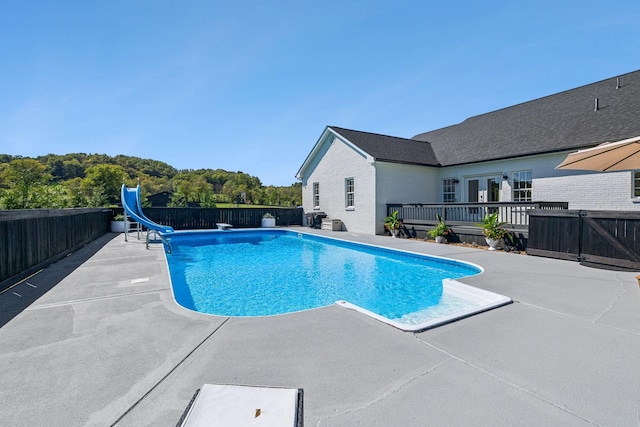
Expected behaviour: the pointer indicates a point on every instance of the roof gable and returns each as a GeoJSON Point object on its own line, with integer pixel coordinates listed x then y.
{"type": "Point", "coordinates": [376, 147]}
{"type": "Point", "coordinates": [384, 148]}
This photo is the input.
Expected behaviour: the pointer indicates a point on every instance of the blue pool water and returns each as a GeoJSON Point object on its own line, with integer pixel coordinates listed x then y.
{"type": "Point", "coordinates": [268, 272]}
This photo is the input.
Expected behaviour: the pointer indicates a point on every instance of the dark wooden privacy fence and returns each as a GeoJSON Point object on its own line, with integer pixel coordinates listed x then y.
{"type": "Point", "coordinates": [599, 238]}
{"type": "Point", "coordinates": [32, 239]}
{"type": "Point", "coordinates": [203, 218]}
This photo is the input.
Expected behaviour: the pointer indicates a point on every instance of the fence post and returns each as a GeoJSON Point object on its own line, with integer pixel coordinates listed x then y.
{"type": "Point", "coordinates": [581, 215]}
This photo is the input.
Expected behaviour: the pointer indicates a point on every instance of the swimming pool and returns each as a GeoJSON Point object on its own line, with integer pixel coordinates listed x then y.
{"type": "Point", "coordinates": [270, 272]}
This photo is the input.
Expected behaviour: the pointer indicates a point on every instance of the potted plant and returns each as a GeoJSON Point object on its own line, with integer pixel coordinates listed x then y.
{"type": "Point", "coordinates": [493, 230]}
{"type": "Point", "coordinates": [441, 231]}
{"type": "Point", "coordinates": [392, 223]}
{"type": "Point", "coordinates": [268, 220]}
{"type": "Point", "coordinates": [117, 224]}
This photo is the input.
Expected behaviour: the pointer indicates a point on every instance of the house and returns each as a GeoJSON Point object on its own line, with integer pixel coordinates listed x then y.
{"type": "Point", "coordinates": [508, 155]}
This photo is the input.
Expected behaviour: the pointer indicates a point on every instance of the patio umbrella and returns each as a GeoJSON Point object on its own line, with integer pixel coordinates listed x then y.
{"type": "Point", "coordinates": [610, 156]}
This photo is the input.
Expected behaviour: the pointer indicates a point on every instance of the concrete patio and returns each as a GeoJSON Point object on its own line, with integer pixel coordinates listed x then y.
{"type": "Point", "coordinates": [96, 339]}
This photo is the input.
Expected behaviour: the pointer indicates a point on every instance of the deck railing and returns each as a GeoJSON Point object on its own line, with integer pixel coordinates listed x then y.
{"type": "Point", "coordinates": [514, 214]}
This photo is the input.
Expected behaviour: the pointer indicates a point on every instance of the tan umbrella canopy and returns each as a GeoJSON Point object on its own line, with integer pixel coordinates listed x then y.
{"type": "Point", "coordinates": [610, 156]}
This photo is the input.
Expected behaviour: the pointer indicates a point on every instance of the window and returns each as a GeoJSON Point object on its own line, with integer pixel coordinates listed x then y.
{"type": "Point", "coordinates": [316, 194]}
{"type": "Point", "coordinates": [493, 189]}
{"type": "Point", "coordinates": [636, 183]}
{"type": "Point", "coordinates": [449, 190]}
{"type": "Point", "coordinates": [522, 183]}
{"type": "Point", "coordinates": [349, 192]}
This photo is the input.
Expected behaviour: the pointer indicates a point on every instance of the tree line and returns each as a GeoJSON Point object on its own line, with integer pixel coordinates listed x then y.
{"type": "Point", "coordinates": [94, 180]}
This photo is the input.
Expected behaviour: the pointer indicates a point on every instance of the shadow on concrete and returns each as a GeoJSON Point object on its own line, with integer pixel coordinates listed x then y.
{"type": "Point", "coordinates": [15, 299]}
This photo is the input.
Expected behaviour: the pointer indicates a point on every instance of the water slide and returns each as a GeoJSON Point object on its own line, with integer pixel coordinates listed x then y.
{"type": "Point", "coordinates": [133, 208]}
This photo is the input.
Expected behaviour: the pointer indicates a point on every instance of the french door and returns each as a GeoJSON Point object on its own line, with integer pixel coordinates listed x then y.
{"type": "Point", "coordinates": [483, 189]}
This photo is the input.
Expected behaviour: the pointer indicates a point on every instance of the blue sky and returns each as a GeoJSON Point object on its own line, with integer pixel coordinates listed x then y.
{"type": "Point", "coordinates": [250, 85]}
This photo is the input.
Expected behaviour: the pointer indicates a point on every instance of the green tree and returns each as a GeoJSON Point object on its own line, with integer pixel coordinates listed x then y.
{"type": "Point", "coordinates": [52, 196]}
{"type": "Point", "coordinates": [192, 187]}
{"type": "Point", "coordinates": [152, 185]}
{"type": "Point", "coordinates": [292, 195]}
{"type": "Point", "coordinates": [242, 183]}
{"type": "Point", "coordinates": [68, 183]}
{"type": "Point", "coordinates": [217, 178]}
{"type": "Point", "coordinates": [270, 196]}
{"type": "Point", "coordinates": [23, 176]}
{"type": "Point", "coordinates": [76, 197]}
{"type": "Point", "coordinates": [72, 169]}
{"type": "Point", "coordinates": [102, 184]}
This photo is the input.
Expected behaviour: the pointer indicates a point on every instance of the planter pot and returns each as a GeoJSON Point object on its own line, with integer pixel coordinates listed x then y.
{"type": "Point", "coordinates": [117, 226]}
{"type": "Point", "coordinates": [493, 244]}
{"type": "Point", "coordinates": [268, 222]}
{"type": "Point", "coordinates": [440, 239]}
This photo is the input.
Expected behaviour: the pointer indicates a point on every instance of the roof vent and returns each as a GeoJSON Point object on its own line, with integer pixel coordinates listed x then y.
{"type": "Point", "coordinates": [617, 82]}
{"type": "Point", "coordinates": [596, 105]}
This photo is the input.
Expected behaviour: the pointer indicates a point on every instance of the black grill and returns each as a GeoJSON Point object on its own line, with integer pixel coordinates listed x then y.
{"type": "Point", "coordinates": [314, 219]}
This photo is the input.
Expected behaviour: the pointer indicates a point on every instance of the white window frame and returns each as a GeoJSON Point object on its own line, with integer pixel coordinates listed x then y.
{"type": "Point", "coordinates": [522, 193]}
{"type": "Point", "coordinates": [635, 184]}
{"type": "Point", "coordinates": [316, 195]}
{"type": "Point", "coordinates": [349, 193]}
{"type": "Point", "coordinates": [449, 190]}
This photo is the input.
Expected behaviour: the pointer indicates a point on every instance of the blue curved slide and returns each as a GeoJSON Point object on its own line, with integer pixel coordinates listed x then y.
{"type": "Point", "coordinates": [133, 208]}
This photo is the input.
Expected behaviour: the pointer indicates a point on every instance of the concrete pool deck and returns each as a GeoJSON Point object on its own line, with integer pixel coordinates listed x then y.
{"type": "Point", "coordinates": [96, 339]}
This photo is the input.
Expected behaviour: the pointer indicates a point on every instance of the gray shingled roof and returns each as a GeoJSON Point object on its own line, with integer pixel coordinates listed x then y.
{"type": "Point", "coordinates": [390, 148]}
{"type": "Point", "coordinates": [564, 121]}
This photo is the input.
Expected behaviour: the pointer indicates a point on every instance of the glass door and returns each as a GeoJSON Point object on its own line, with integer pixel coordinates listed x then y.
{"type": "Point", "coordinates": [493, 189]}
{"type": "Point", "coordinates": [484, 189]}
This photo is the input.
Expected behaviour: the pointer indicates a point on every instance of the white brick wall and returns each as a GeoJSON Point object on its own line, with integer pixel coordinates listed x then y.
{"type": "Point", "coordinates": [339, 162]}
{"type": "Point", "coordinates": [417, 184]}
{"type": "Point", "coordinates": [604, 191]}
{"type": "Point", "coordinates": [581, 189]}
{"type": "Point", "coordinates": [403, 184]}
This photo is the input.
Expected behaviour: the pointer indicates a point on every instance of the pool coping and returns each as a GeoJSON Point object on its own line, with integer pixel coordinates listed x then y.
{"type": "Point", "coordinates": [488, 301]}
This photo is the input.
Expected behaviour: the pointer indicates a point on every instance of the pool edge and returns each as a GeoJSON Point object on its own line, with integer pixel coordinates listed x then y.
{"type": "Point", "coordinates": [492, 300]}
